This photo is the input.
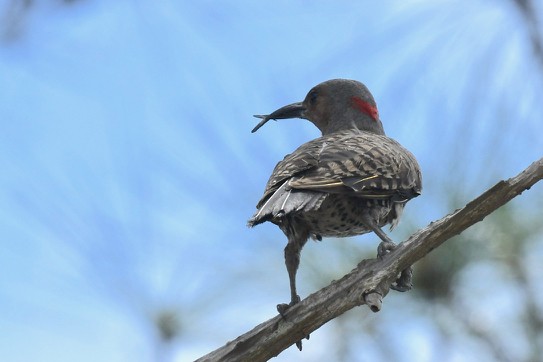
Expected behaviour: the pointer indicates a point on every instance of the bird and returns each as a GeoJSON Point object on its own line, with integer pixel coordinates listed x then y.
{"type": "Point", "coordinates": [350, 181]}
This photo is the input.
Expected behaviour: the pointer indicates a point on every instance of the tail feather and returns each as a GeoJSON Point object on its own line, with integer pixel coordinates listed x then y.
{"type": "Point", "coordinates": [285, 201]}
{"type": "Point", "coordinates": [395, 214]}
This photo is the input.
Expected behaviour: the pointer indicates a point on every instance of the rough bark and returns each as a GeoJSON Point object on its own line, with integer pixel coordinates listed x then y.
{"type": "Point", "coordinates": [369, 282]}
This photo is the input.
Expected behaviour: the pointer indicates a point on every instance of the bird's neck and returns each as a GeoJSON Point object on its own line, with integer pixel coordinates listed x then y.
{"type": "Point", "coordinates": [365, 125]}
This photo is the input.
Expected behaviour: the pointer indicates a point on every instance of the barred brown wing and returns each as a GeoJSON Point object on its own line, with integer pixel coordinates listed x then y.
{"type": "Point", "coordinates": [349, 162]}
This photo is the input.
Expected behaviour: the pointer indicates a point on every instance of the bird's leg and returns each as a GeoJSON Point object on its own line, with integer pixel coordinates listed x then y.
{"type": "Point", "coordinates": [404, 282]}
{"type": "Point", "coordinates": [292, 261]}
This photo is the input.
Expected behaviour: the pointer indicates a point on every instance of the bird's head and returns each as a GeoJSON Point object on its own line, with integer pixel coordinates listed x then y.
{"type": "Point", "coordinates": [334, 105]}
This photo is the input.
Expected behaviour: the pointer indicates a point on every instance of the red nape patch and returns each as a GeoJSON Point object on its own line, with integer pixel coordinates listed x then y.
{"type": "Point", "coordinates": [365, 107]}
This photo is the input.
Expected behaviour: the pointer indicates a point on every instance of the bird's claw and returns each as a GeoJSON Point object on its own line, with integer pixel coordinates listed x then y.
{"type": "Point", "coordinates": [404, 282]}
{"type": "Point", "coordinates": [299, 343]}
{"type": "Point", "coordinates": [385, 247]}
{"type": "Point", "coordinates": [282, 309]}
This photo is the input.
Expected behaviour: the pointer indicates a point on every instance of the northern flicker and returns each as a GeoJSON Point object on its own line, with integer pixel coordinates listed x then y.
{"type": "Point", "coordinates": [352, 180]}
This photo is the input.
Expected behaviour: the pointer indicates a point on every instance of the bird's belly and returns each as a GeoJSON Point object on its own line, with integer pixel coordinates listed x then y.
{"type": "Point", "coordinates": [341, 216]}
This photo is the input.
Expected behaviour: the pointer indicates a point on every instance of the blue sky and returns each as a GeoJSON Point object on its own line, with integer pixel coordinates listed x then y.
{"type": "Point", "coordinates": [129, 169]}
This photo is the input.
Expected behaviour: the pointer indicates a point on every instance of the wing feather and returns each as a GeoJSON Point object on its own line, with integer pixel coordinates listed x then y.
{"type": "Point", "coordinates": [349, 162]}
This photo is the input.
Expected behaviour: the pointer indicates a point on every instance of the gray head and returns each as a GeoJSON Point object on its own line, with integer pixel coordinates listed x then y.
{"type": "Point", "coordinates": [334, 105]}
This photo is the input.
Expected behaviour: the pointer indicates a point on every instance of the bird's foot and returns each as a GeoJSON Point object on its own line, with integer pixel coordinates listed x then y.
{"type": "Point", "coordinates": [282, 309]}
{"type": "Point", "coordinates": [404, 282]}
{"type": "Point", "coordinates": [384, 247]}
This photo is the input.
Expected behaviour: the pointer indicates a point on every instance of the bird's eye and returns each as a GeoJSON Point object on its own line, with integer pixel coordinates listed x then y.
{"type": "Point", "coordinates": [313, 97]}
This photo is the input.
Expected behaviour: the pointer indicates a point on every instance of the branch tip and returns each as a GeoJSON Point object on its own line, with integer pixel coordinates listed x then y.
{"type": "Point", "coordinates": [374, 300]}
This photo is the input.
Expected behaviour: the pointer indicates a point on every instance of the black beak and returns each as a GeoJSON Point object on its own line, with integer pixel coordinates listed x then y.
{"type": "Point", "coordinates": [294, 110]}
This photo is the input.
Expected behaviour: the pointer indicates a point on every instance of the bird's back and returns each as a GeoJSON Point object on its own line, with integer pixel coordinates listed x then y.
{"type": "Point", "coordinates": [327, 182]}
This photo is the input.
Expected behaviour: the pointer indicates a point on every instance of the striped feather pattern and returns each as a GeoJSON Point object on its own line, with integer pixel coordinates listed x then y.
{"type": "Point", "coordinates": [350, 162]}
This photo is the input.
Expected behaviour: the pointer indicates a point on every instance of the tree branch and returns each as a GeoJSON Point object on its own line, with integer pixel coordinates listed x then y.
{"type": "Point", "coordinates": [369, 282]}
